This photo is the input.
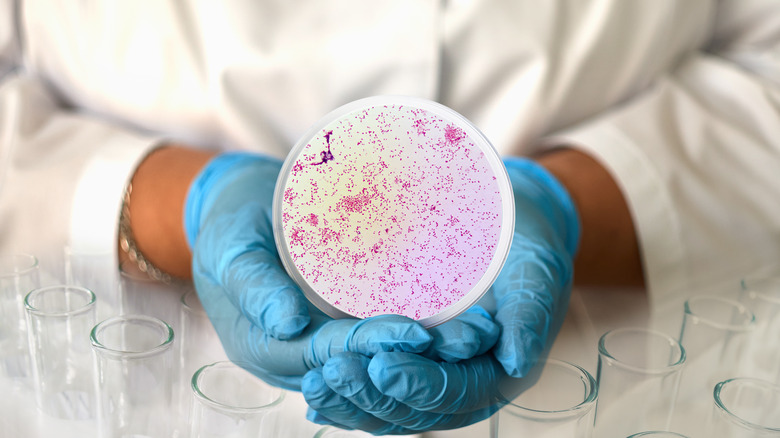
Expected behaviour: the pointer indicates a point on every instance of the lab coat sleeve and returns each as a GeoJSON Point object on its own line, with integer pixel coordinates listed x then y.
{"type": "Point", "coordinates": [62, 173]}
{"type": "Point", "coordinates": [698, 159]}
{"type": "Point", "coordinates": [9, 44]}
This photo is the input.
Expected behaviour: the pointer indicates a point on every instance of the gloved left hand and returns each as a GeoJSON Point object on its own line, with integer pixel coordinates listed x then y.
{"type": "Point", "coordinates": [402, 393]}
{"type": "Point", "coordinates": [262, 318]}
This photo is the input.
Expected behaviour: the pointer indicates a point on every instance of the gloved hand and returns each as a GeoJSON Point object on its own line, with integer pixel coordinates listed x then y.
{"type": "Point", "coordinates": [400, 393]}
{"type": "Point", "coordinates": [263, 320]}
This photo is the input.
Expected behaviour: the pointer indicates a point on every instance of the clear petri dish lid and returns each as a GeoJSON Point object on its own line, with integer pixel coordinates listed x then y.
{"type": "Point", "coordinates": [393, 205]}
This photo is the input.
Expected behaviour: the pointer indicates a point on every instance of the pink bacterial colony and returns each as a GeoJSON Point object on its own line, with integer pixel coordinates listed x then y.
{"type": "Point", "coordinates": [391, 210]}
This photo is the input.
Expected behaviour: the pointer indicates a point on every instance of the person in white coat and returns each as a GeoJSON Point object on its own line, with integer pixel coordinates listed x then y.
{"type": "Point", "coordinates": [660, 119]}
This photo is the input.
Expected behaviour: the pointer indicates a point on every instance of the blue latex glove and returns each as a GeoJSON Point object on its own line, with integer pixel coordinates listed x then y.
{"type": "Point", "coordinates": [263, 320]}
{"type": "Point", "coordinates": [400, 393]}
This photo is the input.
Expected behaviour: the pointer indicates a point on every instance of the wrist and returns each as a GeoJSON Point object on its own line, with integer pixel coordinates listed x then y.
{"type": "Point", "coordinates": [211, 181]}
{"type": "Point", "coordinates": [609, 252]}
{"type": "Point", "coordinates": [153, 215]}
{"type": "Point", "coordinates": [542, 188]}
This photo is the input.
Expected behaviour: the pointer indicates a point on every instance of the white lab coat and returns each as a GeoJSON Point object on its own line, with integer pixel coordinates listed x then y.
{"type": "Point", "coordinates": [680, 100]}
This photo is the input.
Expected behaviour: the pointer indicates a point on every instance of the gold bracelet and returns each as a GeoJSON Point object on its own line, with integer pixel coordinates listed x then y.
{"type": "Point", "coordinates": [127, 243]}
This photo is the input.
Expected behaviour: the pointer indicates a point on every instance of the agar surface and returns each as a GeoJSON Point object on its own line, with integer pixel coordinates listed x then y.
{"type": "Point", "coordinates": [391, 209]}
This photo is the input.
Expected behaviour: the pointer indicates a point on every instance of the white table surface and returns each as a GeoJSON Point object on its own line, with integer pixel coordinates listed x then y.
{"type": "Point", "coordinates": [591, 313]}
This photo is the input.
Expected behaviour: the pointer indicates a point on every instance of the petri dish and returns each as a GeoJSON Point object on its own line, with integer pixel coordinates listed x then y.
{"type": "Point", "coordinates": [393, 205]}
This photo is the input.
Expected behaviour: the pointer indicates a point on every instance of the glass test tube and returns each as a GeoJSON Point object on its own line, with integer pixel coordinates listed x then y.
{"type": "Point", "coordinates": [231, 402]}
{"type": "Point", "coordinates": [142, 295]}
{"type": "Point", "coordinates": [638, 376]}
{"type": "Point", "coordinates": [97, 272]}
{"type": "Point", "coordinates": [745, 408]}
{"type": "Point", "coordinates": [559, 402]}
{"type": "Point", "coordinates": [762, 296]}
{"type": "Point", "coordinates": [59, 319]}
{"type": "Point", "coordinates": [135, 364]}
{"type": "Point", "coordinates": [197, 345]}
{"type": "Point", "coordinates": [714, 333]}
{"type": "Point", "coordinates": [335, 432]}
{"type": "Point", "coordinates": [18, 276]}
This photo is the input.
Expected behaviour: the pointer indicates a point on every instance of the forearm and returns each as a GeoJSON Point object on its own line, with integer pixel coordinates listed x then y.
{"type": "Point", "coordinates": [609, 251]}
{"type": "Point", "coordinates": [159, 190]}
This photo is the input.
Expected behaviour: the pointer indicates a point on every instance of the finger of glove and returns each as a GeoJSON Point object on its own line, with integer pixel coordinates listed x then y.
{"type": "Point", "coordinates": [237, 251]}
{"type": "Point", "coordinates": [532, 295]}
{"type": "Point", "coordinates": [480, 320]}
{"type": "Point", "coordinates": [470, 334]}
{"type": "Point", "coordinates": [525, 327]}
{"type": "Point", "coordinates": [289, 360]}
{"type": "Point", "coordinates": [267, 295]}
{"type": "Point", "coordinates": [347, 375]}
{"type": "Point", "coordinates": [437, 387]}
{"type": "Point", "coordinates": [367, 337]}
{"type": "Point", "coordinates": [329, 407]}
{"type": "Point", "coordinates": [277, 362]}
{"type": "Point", "coordinates": [453, 341]}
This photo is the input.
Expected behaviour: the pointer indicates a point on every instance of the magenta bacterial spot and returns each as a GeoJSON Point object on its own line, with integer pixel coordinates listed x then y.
{"type": "Point", "coordinates": [392, 209]}
{"type": "Point", "coordinates": [453, 135]}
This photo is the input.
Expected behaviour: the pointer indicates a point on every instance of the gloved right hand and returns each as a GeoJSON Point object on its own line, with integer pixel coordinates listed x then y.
{"type": "Point", "coordinates": [403, 393]}
{"type": "Point", "coordinates": [263, 320]}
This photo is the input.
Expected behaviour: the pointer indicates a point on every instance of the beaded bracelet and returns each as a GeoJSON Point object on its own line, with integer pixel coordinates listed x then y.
{"type": "Point", "coordinates": [127, 243]}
